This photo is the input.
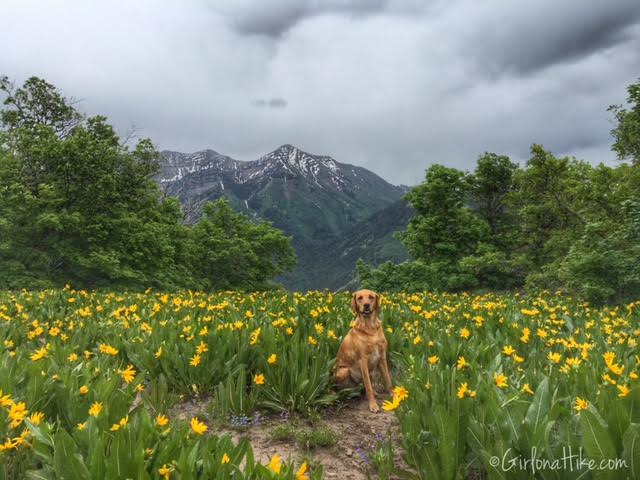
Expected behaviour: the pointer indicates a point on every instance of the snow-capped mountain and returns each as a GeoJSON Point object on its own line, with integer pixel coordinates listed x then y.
{"type": "Point", "coordinates": [286, 162]}
{"type": "Point", "coordinates": [312, 198]}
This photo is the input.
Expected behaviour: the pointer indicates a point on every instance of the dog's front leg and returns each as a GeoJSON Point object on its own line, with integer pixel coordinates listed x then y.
{"type": "Point", "coordinates": [384, 369]}
{"type": "Point", "coordinates": [366, 378]}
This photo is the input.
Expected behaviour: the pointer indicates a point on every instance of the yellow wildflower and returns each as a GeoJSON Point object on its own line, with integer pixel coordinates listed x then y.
{"type": "Point", "coordinates": [165, 471]}
{"type": "Point", "coordinates": [554, 357]}
{"type": "Point", "coordinates": [624, 390]}
{"type": "Point", "coordinates": [500, 380]}
{"type": "Point", "coordinates": [162, 420]}
{"type": "Point", "coordinates": [275, 464]}
{"type": "Point", "coordinates": [198, 427]}
{"type": "Point", "coordinates": [301, 474]}
{"type": "Point", "coordinates": [581, 404]}
{"type": "Point", "coordinates": [195, 360]}
{"type": "Point", "coordinates": [108, 349]}
{"type": "Point", "coordinates": [17, 412]}
{"type": "Point", "coordinates": [255, 336]}
{"type": "Point", "coordinates": [616, 368]}
{"type": "Point", "coordinates": [462, 390]}
{"type": "Point", "coordinates": [527, 389]}
{"type": "Point", "coordinates": [39, 354]}
{"type": "Point", "coordinates": [202, 348]}
{"type": "Point", "coordinates": [36, 417]}
{"type": "Point", "coordinates": [96, 408]}
{"type": "Point", "coordinates": [128, 374]}
{"type": "Point", "coordinates": [401, 392]}
{"type": "Point", "coordinates": [461, 363]}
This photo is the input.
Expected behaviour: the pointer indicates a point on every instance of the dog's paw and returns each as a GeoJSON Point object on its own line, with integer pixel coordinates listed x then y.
{"type": "Point", "coordinates": [373, 407]}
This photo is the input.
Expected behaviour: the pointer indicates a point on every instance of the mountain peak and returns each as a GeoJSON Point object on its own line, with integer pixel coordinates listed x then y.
{"type": "Point", "coordinates": [287, 147]}
{"type": "Point", "coordinates": [287, 162]}
{"type": "Point", "coordinates": [299, 162]}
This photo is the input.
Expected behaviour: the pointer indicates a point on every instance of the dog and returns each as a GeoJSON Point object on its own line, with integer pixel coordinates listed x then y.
{"type": "Point", "coordinates": [364, 348]}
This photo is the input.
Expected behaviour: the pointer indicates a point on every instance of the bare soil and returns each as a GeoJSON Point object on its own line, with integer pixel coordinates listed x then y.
{"type": "Point", "coordinates": [359, 431]}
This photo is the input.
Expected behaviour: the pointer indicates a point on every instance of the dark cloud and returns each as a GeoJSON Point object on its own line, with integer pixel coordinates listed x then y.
{"type": "Point", "coordinates": [393, 86]}
{"type": "Point", "coordinates": [273, 103]}
{"type": "Point", "coordinates": [277, 103]}
{"type": "Point", "coordinates": [277, 17]}
{"type": "Point", "coordinates": [526, 37]}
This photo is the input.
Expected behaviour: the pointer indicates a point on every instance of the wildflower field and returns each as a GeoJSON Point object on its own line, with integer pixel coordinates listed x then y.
{"type": "Point", "coordinates": [88, 380]}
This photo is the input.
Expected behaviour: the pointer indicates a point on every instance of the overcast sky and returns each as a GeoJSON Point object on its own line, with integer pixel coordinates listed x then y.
{"type": "Point", "coordinates": [391, 85]}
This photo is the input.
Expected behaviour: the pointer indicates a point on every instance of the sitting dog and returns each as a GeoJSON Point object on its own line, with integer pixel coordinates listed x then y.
{"type": "Point", "coordinates": [364, 348]}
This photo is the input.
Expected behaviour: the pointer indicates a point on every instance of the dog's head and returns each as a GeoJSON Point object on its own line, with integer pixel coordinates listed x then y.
{"type": "Point", "coordinates": [365, 302]}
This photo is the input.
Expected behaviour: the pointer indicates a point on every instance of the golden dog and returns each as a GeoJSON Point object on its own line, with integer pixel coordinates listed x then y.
{"type": "Point", "coordinates": [364, 349]}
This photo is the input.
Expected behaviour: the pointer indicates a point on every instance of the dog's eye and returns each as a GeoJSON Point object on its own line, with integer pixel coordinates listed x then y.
{"type": "Point", "coordinates": [360, 297]}
{"type": "Point", "coordinates": [370, 297]}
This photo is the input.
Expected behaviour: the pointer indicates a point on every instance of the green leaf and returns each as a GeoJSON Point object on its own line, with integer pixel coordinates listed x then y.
{"type": "Point", "coordinates": [539, 406]}
{"type": "Point", "coordinates": [68, 463]}
{"type": "Point", "coordinates": [631, 452]}
{"type": "Point", "coordinates": [43, 474]}
{"type": "Point", "coordinates": [597, 442]}
{"type": "Point", "coordinates": [447, 448]}
{"type": "Point", "coordinates": [618, 422]}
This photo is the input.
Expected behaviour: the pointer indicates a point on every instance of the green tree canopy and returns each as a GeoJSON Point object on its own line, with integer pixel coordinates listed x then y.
{"type": "Point", "coordinates": [78, 205]}
{"type": "Point", "coordinates": [556, 223]}
{"type": "Point", "coordinates": [233, 250]}
{"type": "Point", "coordinates": [627, 132]}
{"type": "Point", "coordinates": [444, 228]}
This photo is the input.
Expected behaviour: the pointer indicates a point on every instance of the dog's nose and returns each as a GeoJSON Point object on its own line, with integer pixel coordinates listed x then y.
{"type": "Point", "coordinates": [366, 305]}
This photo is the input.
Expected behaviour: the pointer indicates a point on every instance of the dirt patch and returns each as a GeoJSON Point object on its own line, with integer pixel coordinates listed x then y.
{"type": "Point", "coordinates": [359, 430]}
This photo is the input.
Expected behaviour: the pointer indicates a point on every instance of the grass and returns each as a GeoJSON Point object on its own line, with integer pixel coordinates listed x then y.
{"type": "Point", "coordinates": [307, 438]}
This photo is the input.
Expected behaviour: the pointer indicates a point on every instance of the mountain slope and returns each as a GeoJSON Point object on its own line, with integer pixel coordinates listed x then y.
{"type": "Point", "coordinates": [332, 264]}
{"type": "Point", "coordinates": [312, 198]}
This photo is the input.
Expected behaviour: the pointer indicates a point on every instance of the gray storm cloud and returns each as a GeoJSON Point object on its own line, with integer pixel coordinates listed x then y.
{"type": "Point", "coordinates": [391, 85]}
{"type": "Point", "coordinates": [275, 18]}
{"type": "Point", "coordinates": [272, 103]}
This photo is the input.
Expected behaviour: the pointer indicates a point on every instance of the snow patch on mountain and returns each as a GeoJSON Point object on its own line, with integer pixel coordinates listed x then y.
{"type": "Point", "coordinates": [285, 162]}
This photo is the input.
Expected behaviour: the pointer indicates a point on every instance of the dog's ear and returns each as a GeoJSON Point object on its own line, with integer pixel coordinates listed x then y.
{"type": "Point", "coordinates": [354, 305]}
{"type": "Point", "coordinates": [377, 305]}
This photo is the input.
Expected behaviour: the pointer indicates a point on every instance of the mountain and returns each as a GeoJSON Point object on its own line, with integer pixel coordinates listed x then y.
{"type": "Point", "coordinates": [332, 264]}
{"type": "Point", "coordinates": [313, 198]}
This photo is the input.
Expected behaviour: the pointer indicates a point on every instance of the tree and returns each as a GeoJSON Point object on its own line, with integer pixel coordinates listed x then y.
{"type": "Point", "coordinates": [79, 206]}
{"type": "Point", "coordinates": [444, 228]}
{"type": "Point", "coordinates": [557, 223]}
{"type": "Point", "coordinates": [627, 133]}
{"type": "Point", "coordinates": [235, 252]}
{"type": "Point", "coordinates": [602, 266]}
{"type": "Point", "coordinates": [36, 105]}
{"type": "Point", "coordinates": [490, 187]}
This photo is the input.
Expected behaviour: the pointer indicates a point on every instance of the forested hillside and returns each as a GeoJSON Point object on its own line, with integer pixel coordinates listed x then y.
{"type": "Point", "coordinates": [554, 223]}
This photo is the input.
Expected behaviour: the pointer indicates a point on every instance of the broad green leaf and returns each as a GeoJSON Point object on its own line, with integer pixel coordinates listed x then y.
{"type": "Point", "coordinates": [597, 442]}
{"type": "Point", "coordinates": [631, 453]}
